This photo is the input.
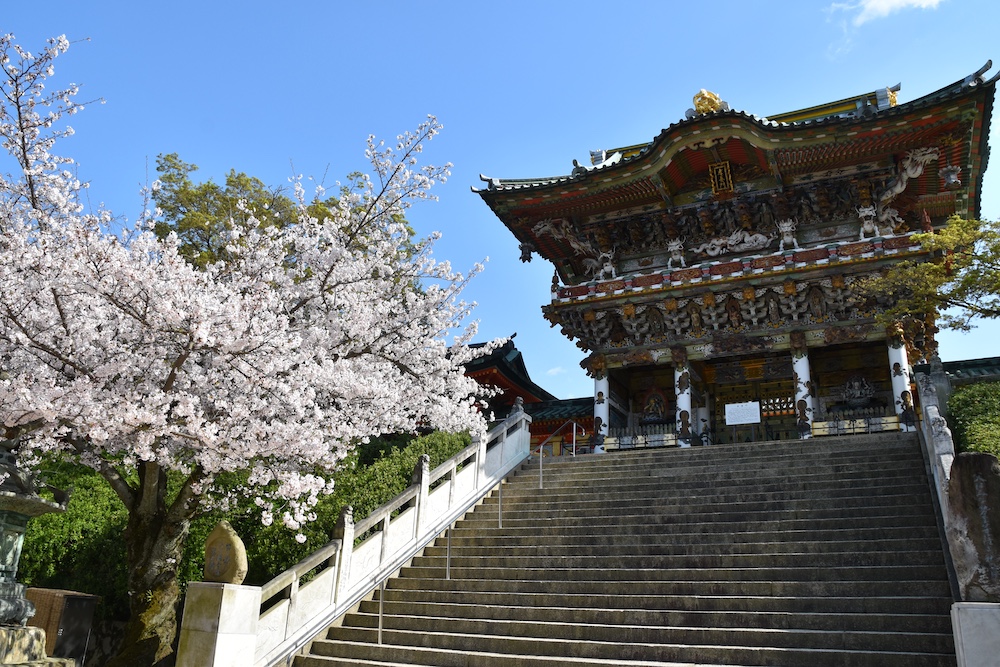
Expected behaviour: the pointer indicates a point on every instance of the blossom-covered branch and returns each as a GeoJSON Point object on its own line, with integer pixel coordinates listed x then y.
{"type": "Point", "coordinates": [270, 361]}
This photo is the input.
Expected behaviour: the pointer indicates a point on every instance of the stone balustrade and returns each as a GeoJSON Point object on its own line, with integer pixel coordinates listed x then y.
{"type": "Point", "coordinates": [974, 623]}
{"type": "Point", "coordinates": [248, 626]}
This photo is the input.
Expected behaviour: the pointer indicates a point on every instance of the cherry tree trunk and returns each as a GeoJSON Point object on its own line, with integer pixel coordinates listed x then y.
{"type": "Point", "coordinates": [154, 546]}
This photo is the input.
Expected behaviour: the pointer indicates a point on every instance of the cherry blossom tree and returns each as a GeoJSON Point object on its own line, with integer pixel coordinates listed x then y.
{"type": "Point", "coordinates": [170, 379]}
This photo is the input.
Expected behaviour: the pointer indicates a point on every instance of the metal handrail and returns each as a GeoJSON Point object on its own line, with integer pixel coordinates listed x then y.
{"type": "Point", "coordinates": [583, 431]}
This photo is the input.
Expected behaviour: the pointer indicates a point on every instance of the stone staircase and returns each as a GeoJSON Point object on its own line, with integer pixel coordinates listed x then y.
{"type": "Point", "coordinates": [808, 553]}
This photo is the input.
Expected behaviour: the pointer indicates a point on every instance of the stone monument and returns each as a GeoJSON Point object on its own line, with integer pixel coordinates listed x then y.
{"type": "Point", "coordinates": [225, 555]}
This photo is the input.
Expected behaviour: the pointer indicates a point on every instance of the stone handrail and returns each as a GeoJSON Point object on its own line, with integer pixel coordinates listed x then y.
{"type": "Point", "coordinates": [974, 624]}
{"type": "Point", "coordinates": [265, 626]}
{"type": "Point", "coordinates": [939, 448]}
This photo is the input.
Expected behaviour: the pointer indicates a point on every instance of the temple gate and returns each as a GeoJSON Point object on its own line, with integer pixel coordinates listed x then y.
{"type": "Point", "coordinates": [713, 275]}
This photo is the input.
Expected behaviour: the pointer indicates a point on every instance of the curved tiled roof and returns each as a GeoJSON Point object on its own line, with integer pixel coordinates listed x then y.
{"type": "Point", "coordinates": [969, 371]}
{"type": "Point", "coordinates": [562, 409]}
{"type": "Point", "coordinates": [506, 362]}
{"type": "Point", "coordinates": [673, 131]}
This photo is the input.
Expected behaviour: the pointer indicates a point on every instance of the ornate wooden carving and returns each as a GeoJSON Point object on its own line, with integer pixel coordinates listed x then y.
{"type": "Point", "coordinates": [854, 249]}
{"type": "Point", "coordinates": [726, 269]}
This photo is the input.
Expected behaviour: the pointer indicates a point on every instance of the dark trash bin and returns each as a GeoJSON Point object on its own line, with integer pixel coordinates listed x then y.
{"type": "Point", "coordinates": [67, 618]}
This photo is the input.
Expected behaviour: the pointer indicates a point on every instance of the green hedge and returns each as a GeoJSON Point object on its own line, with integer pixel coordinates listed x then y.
{"type": "Point", "coordinates": [974, 416]}
{"type": "Point", "coordinates": [273, 549]}
{"type": "Point", "coordinates": [83, 550]}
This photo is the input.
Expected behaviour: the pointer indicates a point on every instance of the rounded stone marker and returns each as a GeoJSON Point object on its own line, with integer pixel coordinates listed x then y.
{"type": "Point", "coordinates": [225, 556]}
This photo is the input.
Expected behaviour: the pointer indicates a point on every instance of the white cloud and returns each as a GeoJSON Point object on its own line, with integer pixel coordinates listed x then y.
{"type": "Point", "coordinates": [870, 10]}
{"type": "Point", "coordinates": [879, 9]}
{"type": "Point", "coordinates": [558, 370]}
{"type": "Point", "coordinates": [852, 15]}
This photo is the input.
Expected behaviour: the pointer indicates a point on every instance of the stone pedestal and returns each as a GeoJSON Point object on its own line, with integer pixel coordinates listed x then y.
{"type": "Point", "coordinates": [220, 625]}
{"type": "Point", "coordinates": [977, 633]}
{"type": "Point", "coordinates": [19, 646]}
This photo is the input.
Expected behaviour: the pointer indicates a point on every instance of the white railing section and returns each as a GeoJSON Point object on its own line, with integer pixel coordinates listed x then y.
{"type": "Point", "coordinates": [299, 603]}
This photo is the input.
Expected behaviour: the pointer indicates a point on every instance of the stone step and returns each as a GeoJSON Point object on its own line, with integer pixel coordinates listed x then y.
{"type": "Point", "coordinates": [796, 582]}
{"type": "Point", "coordinates": [639, 479]}
{"type": "Point", "coordinates": [592, 615]}
{"type": "Point", "coordinates": [639, 484]}
{"type": "Point", "coordinates": [364, 628]}
{"type": "Point", "coordinates": [639, 525]}
{"type": "Point", "coordinates": [438, 658]}
{"type": "Point", "coordinates": [657, 516]}
{"type": "Point", "coordinates": [696, 535]}
{"type": "Point", "coordinates": [823, 553]}
{"type": "Point", "coordinates": [582, 502]}
{"type": "Point", "coordinates": [664, 546]}
{"type": "Point", "coordinates": [700, 559]}
{"type": "Point", "coordinates": [731, 456]}
{"type": "Point", "coordinates": [686, 568]}
{"type": "Point", "coordinates": [884, 442]}
{"type": "Point", "coordinates": [776, 468]}
{"type": "Point", "coordinates": [722, 457]}
{"type": "Point", "coordinates": [866, 601]}
{"type": "Point", "coordinates": [457, 649]}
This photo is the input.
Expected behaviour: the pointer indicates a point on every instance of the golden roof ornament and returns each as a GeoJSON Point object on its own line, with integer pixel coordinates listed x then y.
{"type": "Point", "coordinates": [706, 102]}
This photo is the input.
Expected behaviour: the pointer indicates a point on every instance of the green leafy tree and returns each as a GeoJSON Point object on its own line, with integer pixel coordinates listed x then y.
{"type": "Point", "coordinates": [203, 214]}
{"type": "Point", "coordinates": [959, 283]}
{"type": "Point", "coordinates": [974, 414]}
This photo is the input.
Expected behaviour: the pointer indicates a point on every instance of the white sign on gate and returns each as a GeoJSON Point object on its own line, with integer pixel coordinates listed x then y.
{"type": "Point", "coordinates": [743, 413]}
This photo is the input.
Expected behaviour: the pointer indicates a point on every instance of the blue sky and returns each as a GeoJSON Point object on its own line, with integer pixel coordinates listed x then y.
{"type": "Point", "coordinates": [522, 89]}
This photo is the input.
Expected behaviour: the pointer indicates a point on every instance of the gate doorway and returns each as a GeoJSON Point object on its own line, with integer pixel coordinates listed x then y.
{"type": "Point", "coordinates": [764, 380]}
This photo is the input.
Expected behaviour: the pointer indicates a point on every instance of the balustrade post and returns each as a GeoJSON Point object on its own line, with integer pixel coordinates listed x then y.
{"type": "Point", "coordinates": [480, 461]}
{"type": "Point", "coordinates": [220, 624]}
{"type": "Point", "coordinates": [383, 538]}
{"type": "Point", "coordinates": [422, 477]}
{"type": "Point", "coordinates": [452, 486]}
{"type": "Point", "coordinates": [344, 531]}
{"type": "Point", "coordinates": [502, 446]}
{"type": "Point", "coordinates": [525, 441]}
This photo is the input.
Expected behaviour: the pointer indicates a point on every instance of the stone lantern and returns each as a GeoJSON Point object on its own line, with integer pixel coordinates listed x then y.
{"type": "Point", "coordinates": [19, 501]}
